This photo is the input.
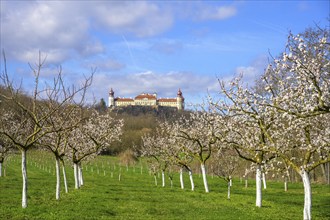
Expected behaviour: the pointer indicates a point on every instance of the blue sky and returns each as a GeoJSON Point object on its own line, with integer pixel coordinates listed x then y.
{"type": "Point", "coordinates": [151, 46]}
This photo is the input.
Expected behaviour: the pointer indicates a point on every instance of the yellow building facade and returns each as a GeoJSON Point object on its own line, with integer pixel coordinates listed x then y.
{"type": "Point", "coordinates": [146, 99]}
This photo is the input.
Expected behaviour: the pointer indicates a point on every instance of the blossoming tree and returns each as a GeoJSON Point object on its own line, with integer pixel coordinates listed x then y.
{"type": "Point", "coordinates": [30, 113]}
{"type": "Point", "coordinates": [200, 129]}
{"type": "Point", "coordinates": [298, 91]}
{"type": "Point", "coordinates": [87, 140]}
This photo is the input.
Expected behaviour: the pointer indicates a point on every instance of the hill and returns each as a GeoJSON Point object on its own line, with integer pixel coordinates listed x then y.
{"type": "Point", "coordinates": [140, 120]}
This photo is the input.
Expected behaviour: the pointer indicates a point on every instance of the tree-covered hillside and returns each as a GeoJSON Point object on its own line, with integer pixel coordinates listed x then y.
{"type": "Point", "coordinates": [138, 121]}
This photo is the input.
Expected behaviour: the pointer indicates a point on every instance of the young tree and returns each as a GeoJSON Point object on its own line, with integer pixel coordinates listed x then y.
{"type": "Point", "coordinates": [200, 130]}
{"type": "Point", "coordinates": [87, 140]}
{"type": "Point", "coordinates": [156, 147]}
{"type": "Point", "coordinates": [224, 164]}
{"type": "Point", "coordinates": [182, 157]}
{"type": "Point", "coordinates": [61, 123]}
{"type": "Point", "coordinates": [178, 151]}
{"type": "Point", "coordinates": [246, 125]}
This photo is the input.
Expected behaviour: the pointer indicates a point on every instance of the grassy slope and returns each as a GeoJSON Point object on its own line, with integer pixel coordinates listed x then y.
{"type": "Point", "coordinates": [136, 197]}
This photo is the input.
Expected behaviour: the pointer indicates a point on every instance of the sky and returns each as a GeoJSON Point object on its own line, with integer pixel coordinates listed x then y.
{"type": "Point", "coordinates": [150, 46]}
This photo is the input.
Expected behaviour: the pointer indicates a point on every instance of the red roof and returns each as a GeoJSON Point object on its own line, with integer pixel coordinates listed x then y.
{"type": "Point", "coordinates": [146, 96]}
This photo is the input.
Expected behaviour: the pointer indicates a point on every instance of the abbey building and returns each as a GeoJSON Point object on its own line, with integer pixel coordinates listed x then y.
{"type": "Point", "coordinates": [146, 99]}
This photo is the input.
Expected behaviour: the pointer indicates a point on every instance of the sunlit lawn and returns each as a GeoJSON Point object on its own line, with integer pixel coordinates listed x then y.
{"type": "Point", "coordinates": [135, 196]}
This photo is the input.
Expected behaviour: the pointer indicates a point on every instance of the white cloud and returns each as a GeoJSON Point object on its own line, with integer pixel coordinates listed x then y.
{"type": "Point", "coordinates": [249, 73]}
{"type": "Point", "coordinates": [252, 72]}
{"type": "Point", "coordinates": [63, 29]}
{"type": "Point", "coordinates": [138, 17]}
{"type": "Point", "coordinates": [49, 27]}
{"type": "Point", "coordinates": [217, 13]}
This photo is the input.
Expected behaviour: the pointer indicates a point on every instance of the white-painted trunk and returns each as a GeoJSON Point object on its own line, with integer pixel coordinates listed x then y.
{"type": "Point", "coordinates": [285, 184]}
{"type": "Point", "coordinates": [206, 186]}
{"type": "Point", "coordinates": [64, 179]}
{"type": "Point", "coordinates": [163, 178]}
{"type": "Point", "coordinates": [80, 175]}
{"type": "Point", "coordinates": [76, 176]}
{"type": "Point", "coordinates": [308, 195]}
{"type": "Point", "coordinates": [155, 178]}
{"type": "Point", "coordinates": [58, 178]}
{"type": "Point", "coordinates": [25, 180]}
{"type": "Point", "coordinates": [0, 169]}
{"type": "Point", "coordinates": [264, 180]}
{"type": "Point", "coordinates": [258, 186]}
{"type": "Point", "coordinates": [171, 182]}
{"type": "Point", "coordinates": [229, 187]}
{"type": "Point", "coordinates": [228, 194]}
{"type": "Point", "coordinates": [191, 180]}
{"type": "Point", "coordinates": [246, 183]}
{"type": "Point", "coordinates": [181, 178]}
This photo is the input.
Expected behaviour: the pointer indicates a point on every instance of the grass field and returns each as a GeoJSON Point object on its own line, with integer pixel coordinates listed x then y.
{"type": "Point", "coordinates": [103, 196]}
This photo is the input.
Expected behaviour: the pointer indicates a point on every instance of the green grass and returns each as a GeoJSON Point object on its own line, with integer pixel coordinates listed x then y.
{"type": "Point", "coordinates": [136, 196]}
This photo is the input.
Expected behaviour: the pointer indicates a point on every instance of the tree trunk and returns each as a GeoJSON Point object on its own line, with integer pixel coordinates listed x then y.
{"type": "Point", "coordinates": [258, 186]}
{"type": "Point", "coordinates": [191, 180]}
{"type": "Point", "coordinates": [64, 178]}
{"type": "Point", "coordinates": [163, 178]}
{"type": "Point", "coordinates": [229, 187]}
{"type": "Point", "coordinates": [181, 178]}
{"type": "Point", "coordinates": [25, 179]}
{"type": "Point", "coordinates": [0, 168]}
{"type": "Point", "coordinates": [76, 176]}
{"type": "Point", "coordinates": [206, 186]}
{"type": "Point", "coordinates": [80, 175]}
{"type": "Point", "coordinates": [228, 194]}
{"type": "Point", "coordinates": [326, 172]}
{"type": "Point", "coordinates": [285, 183]}
{"type": "Point", "coordinates": [155, 178]}
{"type": "Point", "coordinates": [58, 178]}
{"type": "Point", "coordinates": [264, 180]}
{"type": "Point", "coordinates": [308, 195]}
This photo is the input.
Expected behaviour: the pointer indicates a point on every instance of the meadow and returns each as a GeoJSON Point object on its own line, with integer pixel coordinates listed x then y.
{"type": "Point", "coordinates": [135, 196]}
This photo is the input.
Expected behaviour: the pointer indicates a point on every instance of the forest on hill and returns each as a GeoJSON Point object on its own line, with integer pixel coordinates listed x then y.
{"type": "Point", "coordinates": [139, 121]}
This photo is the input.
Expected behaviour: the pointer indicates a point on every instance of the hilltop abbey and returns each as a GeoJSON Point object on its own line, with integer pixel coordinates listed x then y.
{"type": "Point", "coordinates": [146, 99]}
